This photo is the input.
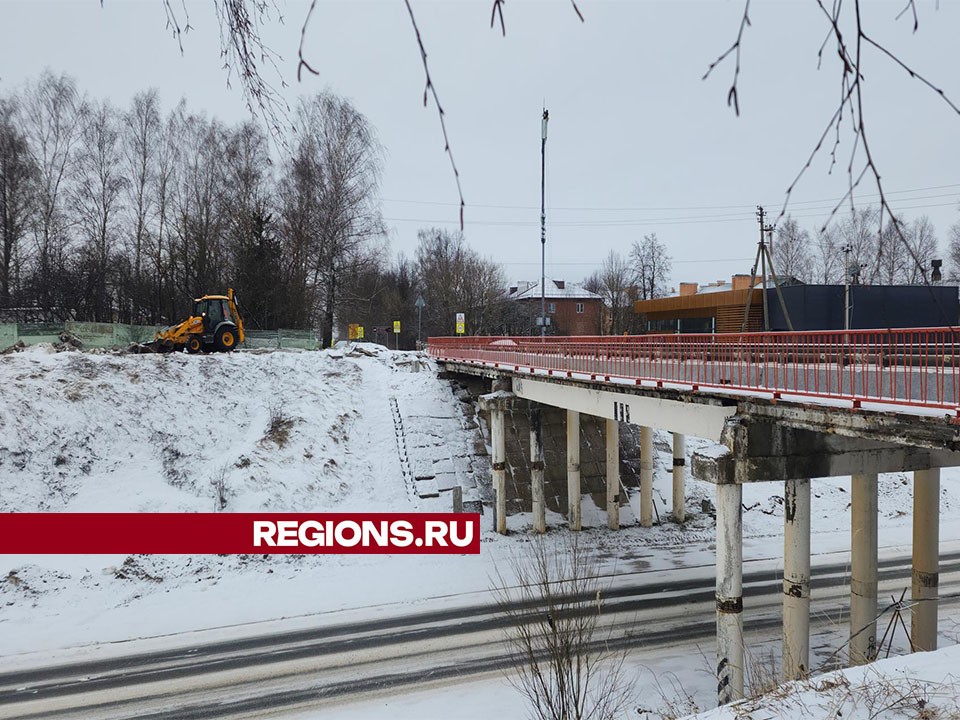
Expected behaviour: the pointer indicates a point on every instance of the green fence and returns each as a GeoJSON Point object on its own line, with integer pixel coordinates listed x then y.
{"type": "Point", "coordinates": [108, 335]}
{"type": "Point", "coordinates": [303, 339]}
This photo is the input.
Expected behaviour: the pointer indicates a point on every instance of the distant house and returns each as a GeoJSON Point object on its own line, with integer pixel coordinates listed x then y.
{"type": "Point", "coordinates": [721, 307]}
{"type": "Point", "coordinates": [571, 309]}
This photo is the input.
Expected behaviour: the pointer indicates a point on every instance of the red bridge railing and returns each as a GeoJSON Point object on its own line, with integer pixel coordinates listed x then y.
{"type": "Point", "coordinates": [916, 367]}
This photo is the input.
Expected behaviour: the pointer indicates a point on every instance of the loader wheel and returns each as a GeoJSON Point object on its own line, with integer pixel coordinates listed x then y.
{"type": "Point", "coordinates": [226, 339]}
{"type": "Point", "coordinates": [194, 345]}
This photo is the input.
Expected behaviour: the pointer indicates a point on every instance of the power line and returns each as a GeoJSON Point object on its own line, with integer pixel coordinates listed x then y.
{"type": "Point", "coordinates": [595, 262]}
{"type": "Point", "coordinates": [692, 220]}
{"type": "Point", "coordinates": [744, 207]}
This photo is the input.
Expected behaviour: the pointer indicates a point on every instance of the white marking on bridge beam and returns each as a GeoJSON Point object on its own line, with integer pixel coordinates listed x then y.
{"type": "Point", "coordinates": [699, 419]}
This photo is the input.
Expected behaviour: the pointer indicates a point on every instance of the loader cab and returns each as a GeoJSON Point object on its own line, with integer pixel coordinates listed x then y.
{"type": "Point", "coordinates": [213, 309]}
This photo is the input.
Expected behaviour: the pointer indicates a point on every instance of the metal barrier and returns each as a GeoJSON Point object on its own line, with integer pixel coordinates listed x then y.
{"type": "Point", "coordinates": [917, 366]}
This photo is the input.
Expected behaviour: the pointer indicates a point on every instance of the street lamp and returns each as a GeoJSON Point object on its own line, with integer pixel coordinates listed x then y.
{"type": "Point", "coordinates": [543, 225]}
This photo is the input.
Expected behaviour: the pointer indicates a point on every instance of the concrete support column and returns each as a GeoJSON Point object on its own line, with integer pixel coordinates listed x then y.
{"type": "Point", "coordinates": [536, 471]}
{"type": "Point", "coordinates": [573, 469]}
{"type": "Point", "coordinates": [730, 650]}
{"type": "Point", "coordinates": [646, 476]}
{"type": "Point", "coordinates": [613, 474]}
{"type": "Point", "coordinates": [796, 579]}
{"type": "Point", "coordinates": [679, 477]}
{"type": "Point", "coordinates": [497, 436]}
{"type": "Point", "coordinates": [863, 569]}
{"type": "Point", "coordinates": [926, 559]}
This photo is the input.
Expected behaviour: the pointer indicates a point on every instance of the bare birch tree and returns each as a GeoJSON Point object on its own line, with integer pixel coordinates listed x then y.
{"type": "Point", "coordinates": [858, 231]}
{"type": "Point", "coordinates": [651, 266]}
{"type": "Point", "coordinates": [953, 251]}
{"type": "Point", "coordinates": [922, 243]}
{"type": "Point", "coordinates": [614, 282]}
{"type": "Point", "coordinates": [791, 250]}
{"type": "Point", "coordinates": [198, 258]}
{"type": "Point", "coordinates": [827, 256]}
{"type": "Point", "coordinates": [339, 146]}
{"type": "Point", "coordinates": [17, 177]}
{"type": "Point", "coordinates": [96, 200]}
{"type": "Point", "coordinates": [52, 110]}
{"type": "Point", "coordinates": [455, 278]}
{"type": "Point", "coordinates": [893, 258]}
{"type": "Point", "coordinates": [141, 135]}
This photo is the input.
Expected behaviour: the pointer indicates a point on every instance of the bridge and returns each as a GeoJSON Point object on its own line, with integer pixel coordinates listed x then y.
{"type": "Point", "coordinates": [785, 407]}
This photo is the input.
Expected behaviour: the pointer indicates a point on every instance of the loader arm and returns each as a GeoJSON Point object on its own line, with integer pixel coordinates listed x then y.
{"type": "Point", "coordinates": [235, 313]}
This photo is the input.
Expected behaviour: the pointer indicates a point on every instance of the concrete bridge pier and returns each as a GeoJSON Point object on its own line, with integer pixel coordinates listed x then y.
{"type": "Point", "coordinates": [612, 437]}
{"type": "Point", "coordinates": [926, 559]}
{"type": "Point", "coordinates": [679, 476]}
{"type": "Point", "coordinates": [646, 476]}
{"type": "Point", "coordinates": [497, 438]}
{"type": "Point", "coordinates": [573, 470]}
{"type": "Point", "coordinates": [796, 579]}
{"type": "Point", "coordinates": [496, 403]}
{"type": "Point", "coordinates": [863, 568]}
{"type": "Point", "coordinates": [730, 650]}
{"type": "Point", "coordinates": [536, 471]}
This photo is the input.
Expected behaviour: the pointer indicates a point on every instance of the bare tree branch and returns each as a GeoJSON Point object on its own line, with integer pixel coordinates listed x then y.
{"type": "Point", "coordinates": [303, 33]}
{"type": "Point", "coordinates": [912, 6]}
{"type": "Point", "coordinates": [430, 89]}
{"type": "Point", "coordinates": [498, 11]}
{"type": "Point", "coordinates": [732, 96]}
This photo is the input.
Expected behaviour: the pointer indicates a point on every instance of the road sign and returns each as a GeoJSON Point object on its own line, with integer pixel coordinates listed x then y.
{"type": "Point", "coordinates": [396, 327]}
{"type": "Point", "coordinates": [461, 323]}
{"type": "Point", "coordinates": [420, 304]}
{"type": "Point", "coordinates": [354, 332]}
{"type": "Point", "coordinates": [359, 332]}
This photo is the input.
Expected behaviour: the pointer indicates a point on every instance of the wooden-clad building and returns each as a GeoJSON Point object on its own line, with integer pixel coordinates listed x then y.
{"type": "Point", "coordinates": [712, 308]}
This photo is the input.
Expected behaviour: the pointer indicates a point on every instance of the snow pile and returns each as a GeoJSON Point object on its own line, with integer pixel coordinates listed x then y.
{"type": "Point", "coordinates": [179, 433]}
{"type": "Point", "coordinates": [922, 685]}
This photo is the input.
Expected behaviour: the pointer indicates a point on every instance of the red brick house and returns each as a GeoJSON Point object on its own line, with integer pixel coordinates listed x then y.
{"type": "Point", "coordinates": [571, 309]}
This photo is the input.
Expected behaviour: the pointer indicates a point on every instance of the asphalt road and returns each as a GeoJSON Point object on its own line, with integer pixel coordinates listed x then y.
{"type": "Point", "coordinates": [251, 677]}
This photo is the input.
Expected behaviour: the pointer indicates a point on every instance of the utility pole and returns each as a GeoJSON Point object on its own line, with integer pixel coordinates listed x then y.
{"type": "Point", "coordinates": [761, 216]}
{"type": "Point", "coordinates": [763, 260]}
{"type": "Point", "coordinates": [543, 225]}
{"type": "Point", "coordinates": [846, 285]}
{"type": "Point", "coordinates": [420, 305]}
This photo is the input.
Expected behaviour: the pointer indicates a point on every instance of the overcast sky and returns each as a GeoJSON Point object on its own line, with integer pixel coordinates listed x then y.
{"type": "Point", "coordinates": [638, 143]}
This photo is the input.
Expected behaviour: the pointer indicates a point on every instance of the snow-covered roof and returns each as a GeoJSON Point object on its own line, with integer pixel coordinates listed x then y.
{"type": "Point", "coordinates": [556, 290]}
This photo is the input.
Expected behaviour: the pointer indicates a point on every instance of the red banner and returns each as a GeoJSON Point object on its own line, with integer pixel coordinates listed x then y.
{"type": "Point", "coordinates": [240, 533]}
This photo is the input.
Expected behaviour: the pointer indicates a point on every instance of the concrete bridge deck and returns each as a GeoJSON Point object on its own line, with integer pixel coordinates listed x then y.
{"type": "Point", "coordinates": [783, 407]}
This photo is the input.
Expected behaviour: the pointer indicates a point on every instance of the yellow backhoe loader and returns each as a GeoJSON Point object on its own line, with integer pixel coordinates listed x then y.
{"type": "Point", "coordinates": [214, 324]}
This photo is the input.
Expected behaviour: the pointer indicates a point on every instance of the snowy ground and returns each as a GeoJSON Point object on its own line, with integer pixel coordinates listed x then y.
{"type": "Point", "coordinates": [306, 432]}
